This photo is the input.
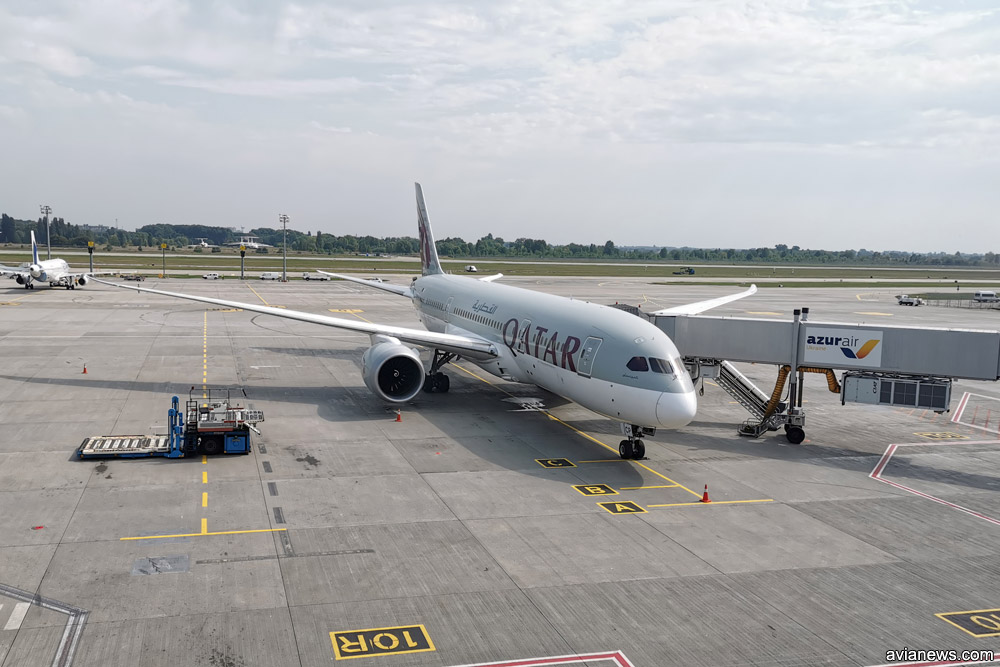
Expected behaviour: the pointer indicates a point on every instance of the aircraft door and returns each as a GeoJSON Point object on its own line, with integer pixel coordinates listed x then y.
{"type": "Point", "coordinates": [524, 333]}
{"type": "Point", "coordinates": [447, 309]}
{"type": "Point", "coordinates": [590, 348]}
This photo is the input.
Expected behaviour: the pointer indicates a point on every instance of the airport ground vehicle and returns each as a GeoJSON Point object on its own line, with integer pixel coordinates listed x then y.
{"type": "Point", "coordinates": [270, 275]}
{"type": "Point", "coordinates": [212, 276]}
{"type": "Point", "coordinates": [906, 300]}
{"type": "Point", "coordinates": [210, 425]}
{"type": "Point", "coordinates": [137, 277]}
{"type": "Point", "coordinates": [686, 271]}
{"type": "Point", "coordinates": [985, 296]}
{"type": "Point", "coordinates": [314, 276]}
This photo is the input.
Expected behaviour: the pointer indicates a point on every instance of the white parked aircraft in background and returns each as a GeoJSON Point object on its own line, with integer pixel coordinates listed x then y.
{"type": "Point", "coordinates": [249, 242]}
{"type": "Point", "coordinates": [55, 272]}
{"type": "Point", "coordinates": [609, 361]}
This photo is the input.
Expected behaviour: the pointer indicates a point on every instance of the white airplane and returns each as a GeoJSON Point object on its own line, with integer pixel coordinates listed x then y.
{"type": "Point", "coordinates": [609, 361]}
{"type": "Point", "coordinates": [250, 242]}
{"type": "Point", "coordinates": [55, 272]}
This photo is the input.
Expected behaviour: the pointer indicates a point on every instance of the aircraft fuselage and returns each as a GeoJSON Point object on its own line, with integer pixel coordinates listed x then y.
{"type": "Point", "coordinates": [609, 361]}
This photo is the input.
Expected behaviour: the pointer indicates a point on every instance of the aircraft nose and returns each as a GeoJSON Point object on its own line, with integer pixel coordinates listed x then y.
{"type": "Point", "coordinates": [676, 410]}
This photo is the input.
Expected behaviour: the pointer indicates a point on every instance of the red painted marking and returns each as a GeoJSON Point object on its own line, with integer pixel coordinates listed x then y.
{"type": "Point", "coordinates": [961, 408]}
{"type": "Point", "coordinates": [884, 461]}
{"type": "Point", "coordinates": [617, 658]}
{"type": "Point", "coordinates": [37, 527]}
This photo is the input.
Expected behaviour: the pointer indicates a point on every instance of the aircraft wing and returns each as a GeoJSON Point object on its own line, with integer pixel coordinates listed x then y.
{"type": "Point", "coordinates": [11, 269]}
{"type": "Point", "coordinates": [702, 306]}
{"type": "Point", "coordinates": [489, 279]}
{"type": "Point", "coordinates": [467, 346]}
{"type": "Point", "coordinates": [395, 289]}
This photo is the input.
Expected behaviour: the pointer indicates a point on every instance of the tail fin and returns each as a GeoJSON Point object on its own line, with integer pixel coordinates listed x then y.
{"type": "Point", "coordinates": [34, 248]}
{"type": "Point", "coordinates": [428, 251]}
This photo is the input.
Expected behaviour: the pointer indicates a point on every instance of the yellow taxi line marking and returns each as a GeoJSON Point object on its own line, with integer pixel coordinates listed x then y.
{"type": "Point", "coordinates": [204, 477]}
{"type": "Point", "coordinates": [711, 383]}
{"type": "Point", "coordinates": [363, 319]}
{"type": "Point", "coordinates": [222, 532]}
{"type": "Point", "coordinates": [604, 461]}
{"type": "Point", "coordinates": [662, 486]}
{"type": "Point", "coordinates": [204, 459]}
{"type": "Point", "coordinates": [204, 499]}
{"type": "Point", "coordinates": [204, 526]}
{"type": "Point", "coordinates": [641, 465]}
{"type": "Point", "coordinates": [573, 428]}
{"type": "Point", "coordinates": [258, 295]}
{"type": "Point", "coordinates": [715, 502]}
{"type": "Point", "coordinates": [866, 312]}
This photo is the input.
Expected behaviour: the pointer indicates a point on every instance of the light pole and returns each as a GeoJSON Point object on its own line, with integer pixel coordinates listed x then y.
{"type": "Point", "coordinates": [284, 247]}
{"type": "Point", "coordinates": [46, 211]}
{"type": "Point", "coordinates": [163, 253]}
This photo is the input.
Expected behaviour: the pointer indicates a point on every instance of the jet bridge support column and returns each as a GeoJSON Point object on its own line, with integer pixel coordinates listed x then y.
{"type": "Point", "coordinates": [796, 415]}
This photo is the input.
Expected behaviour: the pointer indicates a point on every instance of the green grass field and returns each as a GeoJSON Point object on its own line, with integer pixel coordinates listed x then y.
{"type": "Point", "coordinates": [184, 262]}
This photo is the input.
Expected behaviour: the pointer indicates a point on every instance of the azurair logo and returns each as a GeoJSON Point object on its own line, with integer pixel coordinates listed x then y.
{"type": "Point", "coordinates": [847, 345]}
{"type": "Point", "coordinates": [862, 352]}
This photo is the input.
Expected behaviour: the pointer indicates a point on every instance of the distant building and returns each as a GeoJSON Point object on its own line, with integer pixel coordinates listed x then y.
{"type": "Point", "coordinates": [96, 228]}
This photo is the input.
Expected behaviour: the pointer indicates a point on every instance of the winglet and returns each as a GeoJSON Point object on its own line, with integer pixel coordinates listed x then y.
{"type": "Point", "coordinates": [34, 248]}
{"type": "Point", "coordinates": [428, 251]}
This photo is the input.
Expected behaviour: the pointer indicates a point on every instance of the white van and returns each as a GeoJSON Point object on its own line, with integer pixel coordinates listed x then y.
{"type": "Point", "coordinates": [471, 268]}
{"type": "Point", "coordinates": [270, 275]}
{"type": "Point", "coordinates": [985, 296]}
{"type": "Point", "coordinates": [212, 276]}
{"type": "Point", "coordinates": [314, 276]}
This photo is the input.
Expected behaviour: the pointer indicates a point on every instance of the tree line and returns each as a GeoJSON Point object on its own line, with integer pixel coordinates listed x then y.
{"type": "Point", "coordinates": [65, 234]}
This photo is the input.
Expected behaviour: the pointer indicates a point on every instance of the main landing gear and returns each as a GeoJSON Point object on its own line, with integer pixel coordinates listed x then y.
{"type": "Point", "coordinates": [633, 447]}
{"type": "Point", "coordinates": [436, 381]}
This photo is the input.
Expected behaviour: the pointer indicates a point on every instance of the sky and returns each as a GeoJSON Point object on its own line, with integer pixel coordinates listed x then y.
{"type": "Point", "coordinates": [834, 125]}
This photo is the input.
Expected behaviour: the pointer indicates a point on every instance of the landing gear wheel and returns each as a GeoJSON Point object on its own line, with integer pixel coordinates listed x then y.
{"type": "Point", "coordinates": [443, 382]}
{"type": "Point", "coordinates": [639, 452]}
{"type": "Point", "coordinates": [212, 445]}
{"type": "Point", "coordinates": [626, 450]}
{"type": "Point", "coordinates": [795, 435]}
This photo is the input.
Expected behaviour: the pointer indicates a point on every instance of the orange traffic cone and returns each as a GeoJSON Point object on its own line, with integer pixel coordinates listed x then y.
{"type": "Point", "coordinates": [84, 369]}
{"type": "Point", "coordinates": [704, 496]}
{"type": "Point", "coordinates": [399, 416]}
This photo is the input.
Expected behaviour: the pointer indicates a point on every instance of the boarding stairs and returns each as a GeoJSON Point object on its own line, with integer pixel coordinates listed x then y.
{"type": "Point", "coordinates": [750, 397]}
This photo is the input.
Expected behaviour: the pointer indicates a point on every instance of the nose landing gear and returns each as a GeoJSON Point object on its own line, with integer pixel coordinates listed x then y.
{"type": "Point", "coordinates": [633, 447]}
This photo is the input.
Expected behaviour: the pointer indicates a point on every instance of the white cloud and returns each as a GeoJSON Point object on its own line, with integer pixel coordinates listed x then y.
{"type": "Point", "coordinates": [552, 93]}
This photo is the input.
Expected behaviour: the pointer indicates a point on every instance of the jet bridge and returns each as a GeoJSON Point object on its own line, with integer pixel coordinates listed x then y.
{"type": "Point", "coordinates": [880, 365]}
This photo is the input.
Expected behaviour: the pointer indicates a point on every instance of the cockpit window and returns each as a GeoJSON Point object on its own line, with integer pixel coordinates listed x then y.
{"type": "Point", "coordinates": [637, 364]}
{"type": "Point", "coordinates": [660, 365]}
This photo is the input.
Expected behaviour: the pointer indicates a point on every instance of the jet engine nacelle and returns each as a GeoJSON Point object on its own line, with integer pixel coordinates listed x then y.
{"type": "Point", "coordinates": [19, 279]}
{"type": "Point", "coordinates": [36, 272]}
{"type": "Point", "coordinates": [392, 370]}
{"type": "Point", "coordinates": [81, 281]}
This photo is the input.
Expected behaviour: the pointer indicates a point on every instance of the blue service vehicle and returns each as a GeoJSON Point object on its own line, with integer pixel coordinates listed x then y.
{"type": "Point", "coordinates": [210, 425]}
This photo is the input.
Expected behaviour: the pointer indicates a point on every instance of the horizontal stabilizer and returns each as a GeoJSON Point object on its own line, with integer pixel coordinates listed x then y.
{"type": "Point", "coordinates": [395, 289]}
{"type": "Point", "coordinates": [489, 279]}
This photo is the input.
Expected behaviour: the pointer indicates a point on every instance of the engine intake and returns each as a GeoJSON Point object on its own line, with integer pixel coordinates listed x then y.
{"type": "Point", "coordinates": [81, 281]}
{"type": "Point", "coordinates": [393, 371]}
